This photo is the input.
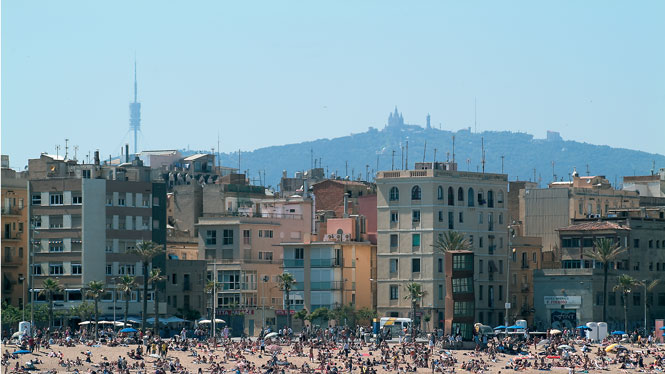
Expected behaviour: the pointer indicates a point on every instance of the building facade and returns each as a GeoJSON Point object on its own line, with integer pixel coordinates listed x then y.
{"type": "Point", "coordinates": [14, 237]}
{"type": "Point", "coordinates": [414, 209]}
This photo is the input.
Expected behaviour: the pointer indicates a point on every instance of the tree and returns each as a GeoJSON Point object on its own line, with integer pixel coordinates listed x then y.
{"type": "Point", "coordinates": [650, 287]}
{"type": "Point", "coordinates": [605, 251]}
{"type": "Point", "coordinates": [415, 293]}
{"type": "Point", "coordinates": [365, 315]}
{"type": "Point", "coordinates": [156, 277]}
{"type": "Point", "coordinates": [301, 315]}
{"type": "Point", "coordinates": [452, 241]}
{"type": "Point", "coordinates": [320, 313]}
{"type": "Point", "coordinates": [50, 287]}
{"type": "Point", "coordinates": [146, 251]}
{"type": "Point", "coordinates": [84, 310]}
{"type": "Point", "coordinates": [126, 286]}
{"type": "Point", "coordinates": [286, 282]}
{"type": "Point", "coordinates": [211, 287]}
{"type": "Point", "coordinates": [344, 314]}
{"type": "Point", "coordinates": [625, 284]}
{"type": "Point", "coordinates": [95, 290]}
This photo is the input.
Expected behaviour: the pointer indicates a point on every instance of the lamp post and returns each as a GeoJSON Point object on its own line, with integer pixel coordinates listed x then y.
{"type": "Point", "coordinates": [115, 296]}
{"type": "Point", "coordinates": [511, 234]}
{"type": "Point", "coordinates": [644, 283]}
{"type": "Point", "coordinates": [22, 280]}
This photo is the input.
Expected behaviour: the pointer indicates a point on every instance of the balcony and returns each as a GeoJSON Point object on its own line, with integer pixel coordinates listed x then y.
{"type": "Point", "coordinates": [293, 263]}
{"type": "Point", "coordinates": [12, 235]}
{"type": "Point", "coordinates": [324, 262]}
{"type": "Point", "coordinates": [491, 249]}
{"type": "Point", "coordinates": [11, 211]}
{"type": "Point", "coordinates": [525, 287]}
{"type": "Point", "coordinates": [326, 286]}
{"type": "Point", "coordinates": [525, 265]}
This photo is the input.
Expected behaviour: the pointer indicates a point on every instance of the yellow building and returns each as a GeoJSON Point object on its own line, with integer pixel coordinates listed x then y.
{"type": "Point", "coordinates": [14, 238]}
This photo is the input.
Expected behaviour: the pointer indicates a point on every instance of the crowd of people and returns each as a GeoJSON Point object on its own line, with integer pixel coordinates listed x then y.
{"type": "Point", "coordinates": [324, 351]}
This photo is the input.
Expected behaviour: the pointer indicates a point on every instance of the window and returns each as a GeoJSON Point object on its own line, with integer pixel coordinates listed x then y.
{"type": "Point", "coordinates": [439, 193]}
{"type": "Point", "coordinates": [155, 201]}
{"type": "Point", "coordinates": [480, 242]}
{"type": "Point", "coordinates": [440, 215]}
{"type": "Point", "coordinates": [174, 278]}
{"type": "Point", "coordinates": [490, 199]}
{"type": "Point", "coordinates": [260, 233]}
{"type": "Point", "coordinates": [56, 198]}
{"type": "Point", "coordinates": [611, 298]}
{"type": "Point", "coordinates": [246, 236]}
{"type": "Point", "coordinates": [77, 269]}
{"type": "Point", "coordinates": [415, 193]}
{"type": "Point", "coordinates": [463, 285]}
{"type": "Point", "coordinates": [394, 292]}
{"type": "Point", "coordinates": [299, 253]}
{"type": "Point", "coordinates": [55, 246]}
{"type": "Point", "coordinates": [109, 269]}
{"type": "Point", "coordinates": [440, 262]}
{"type": "Point", "coordinates": [394, 265]}
{"type": "Point", "coordinates": [266, 234]}
{"type": "Point", "coordinates": [637, 298]}
{"type": "Point", "coordinates": [77, 200]}
{"type": "Point", "coordinates": [463, 308]}
{"type": "Point", "coordinates": [462, 262]}
{"type": "Point", "coordinates": [480, 292]}
{"type": "Point", "coordinates": [211, 237]}
{"type": "Point", "coordinates": [393, 240]}
{"type": "Point", "coordinates": [460, 194]}
{"type": "Point", "coordinates": [37, 199]}
{"type": "Point", "coordinates": [500, 219]}
{"type": "Point", "coordinates": [394, 216]}
{"type": "Point", "coordinates": [415, 265]}
{"type": "Point", "coordinates": [480, 217]}
{"type": "Point", "coordinates": [415, 240]}
{"type": "Point", "coordinates": [480, 266]}
{"type": "Point", "coordinates": [415, 216]}
{"type": "Point", "coordinates": [501, 293]}
{"type": "Point", "coordinates": [121, 202]}
{"type": "Point", "coordinates": [266, 256]}
{"type": "Point", "coordinates": [461, 217]}
{"type": "Point", "coordinates": [394, 194]}
{"type": "Point", "coordinates": [440, 292]}
{"type": "Point", "coordinates": [55, 269]}
{"type": "Point", "coordinates": [451, 196]}
{"type": "Point", "coordinates": [36, 269]}
{"type": "Point", "coordinates": [130, 269]}
{"type": "Point", "coordinates": [228, 237]}
{"type": "Point", "coordinates": [451, 221]}
{"type": "Point", "coordinates": [636, 243]}
{"type": "Point", "coordinates": [500, 266]}
{"type": "Point", "coordinates": [661, 299]}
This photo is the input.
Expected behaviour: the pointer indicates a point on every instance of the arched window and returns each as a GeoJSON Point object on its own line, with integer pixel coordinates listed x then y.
{"type": "Point", "coordinates": [490, 199]}
{"type": "Point", "coordinates": [394, 194]}
{"type": "Point", "coordinates": [470, 198]}
{"type": "Point", "coordinates": [439, 193]}
{"type": "Point", "coordinates": [451, 196]}
{"type": "Point", "coordinates": [415, 193]}
{"type": "Point", "coordinates": [460, 194]}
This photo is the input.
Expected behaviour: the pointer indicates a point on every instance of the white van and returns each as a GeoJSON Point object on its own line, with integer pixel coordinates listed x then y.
{"type": "Point", "coordinates": [394, 326]}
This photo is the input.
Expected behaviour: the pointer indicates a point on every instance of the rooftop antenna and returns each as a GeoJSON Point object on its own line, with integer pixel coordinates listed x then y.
{"type": "Point", "coordinates": [57, 151]}
{"type": "Point", "coordinates": [424, 151]}
{"type": "Point", "coordinates": [135, 112]}
{"type": "Point", "coordinates": [502, 157]}
{"type": "Point", "coordinates": [482, 147]}
{"type": "Point", "coordinates": [553, 175]}
{"type": "Point", "coordinates": [219, 162]}
{"type": "Point", "coordinates": [366, 172]}
{"type": "Point", "coordinates": [468, 164]}
{"type": "Point", "coordinates": [346, 169]}
{"type": "Point", "coordinates": [407, 154]}
{"type": "Point", "coordinates": [311, 158]}
{"type": "Point", "coordinates": [453, 149]}
{"type": "Point", "coordinates": [392, 164]}
{"type": "Point", "coordinates": [587, 170]}
{"type": "Point", "coordinates": [402, 147]}
{"type": "Point", "coordinates": [66, 148]}
{"type": "Point", "coordinates": [238, 160]}
{"type": "Point", "coordinates": [534, 175]}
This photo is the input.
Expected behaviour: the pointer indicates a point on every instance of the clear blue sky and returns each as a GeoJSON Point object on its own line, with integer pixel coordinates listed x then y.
{"type": "Point", "coordinates": [276, 72]}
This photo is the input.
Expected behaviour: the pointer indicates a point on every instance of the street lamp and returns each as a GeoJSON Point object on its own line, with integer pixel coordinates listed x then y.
{"type": "Point", "coordinates": [511, 234]}
{"type": "Point", "coordinates": [22, 280]}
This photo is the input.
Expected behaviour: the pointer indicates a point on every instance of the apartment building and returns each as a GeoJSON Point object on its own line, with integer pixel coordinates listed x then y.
{"type": "Point", "coordinates": [527, 256]}
{"type": "Point", "coordinates": [84, 219]}
{"type": "Point", "coordinates": [460, 299]}
{"type": "Point", "coordinates": [244, 252]}
{"type": "Point", "coordinates": [414, 209]}
{"type": "Point", "coordinates": [14, 237]}
{"type": "Point", "coordinates": [339, 269]}
{"type": "Point", "coordinates": [580, 279]}
{"type": "Point", "coordinates": [543, 210]}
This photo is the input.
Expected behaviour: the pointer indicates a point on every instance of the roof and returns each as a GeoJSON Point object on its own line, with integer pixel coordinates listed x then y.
{"type": "Point", "coordinates": [196, 156]}
{"type": "Point", "coordinates": [165, 152]}
{"type": "Point", "coordinates": [595, 225]}
{"type": "Point", "coordinates": [342, 181]}
{"type": "Point", "coordinates": [642, 178]}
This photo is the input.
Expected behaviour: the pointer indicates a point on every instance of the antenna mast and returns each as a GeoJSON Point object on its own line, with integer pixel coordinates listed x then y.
{"type": "Point", "coordinates": [482, 148]}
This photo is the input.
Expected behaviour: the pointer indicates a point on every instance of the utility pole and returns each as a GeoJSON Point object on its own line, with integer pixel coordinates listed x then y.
{"type": "Point", "coordinates": [502, 157]}
{"type": "Point", "coordinates": [392, 164]}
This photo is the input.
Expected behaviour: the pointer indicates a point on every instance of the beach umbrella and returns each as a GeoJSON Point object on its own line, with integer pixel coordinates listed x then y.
{"type": "Point", "coordinates": [204, 321]}
{"type": "Point", "coordinates": [86, 323]}
{"type": "Point", "coordinates": [583, 327]}
{"type": "Point", "coordinates": [618, 332]}
{"type": "Point", "coordinates": [611, 347]}
{"type": "Point", "coordinates": [565, 346]}
{"type": "Point", "coordinates": [515, 327]}
{"type": "Point", "coordinates": [544, 342]}
{"type": "Point", "coordinates": [271, 335]}
{"type": "Point", "coordinates": [274, 348]}
{"type": "Point", "coordinates": [662, 328]}
{"type": "Point", "coordinates": [21, 352]}
{"type": "Point", "coordinates": [555, 332]}
{"type": "Point", "coordinates": [129, 329]}
{"type": "Point", "coordinates": [174, 320]}
{"type": "Point", "coordinates": [500, 327]}
{"type": "Point", "coordinates": [119, 323]}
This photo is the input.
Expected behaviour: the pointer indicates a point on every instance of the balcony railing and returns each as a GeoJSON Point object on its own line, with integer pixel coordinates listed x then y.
{"type": "Point", "coordinates": [293, 263]}
{"type": "Point", "coordinates": [324, 262]}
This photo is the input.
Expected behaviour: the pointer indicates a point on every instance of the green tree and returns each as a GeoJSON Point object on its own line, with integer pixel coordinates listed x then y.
{"type": "Point", "coordinates": [365, 315]}
{"type": "Point", "coordinates": [650, 287]}
{"type": "Point", "coordinates": [344, 314]}
{"type": "Point", "coordinates": [605, 251]}
{"type": "Point", "coordinates": [146, 251]}
{"type": "Point", "coordinates": [84, 310]}
{"type": "Point", "coordinates": [286, 282]}
{"type": "Point", "coordinates": [452, 241]}
{"type": "Point", "coordinates": [322, 314]}
{"type": "Point", "coordinates": [126, 286]}
{"type": "Point", "coordinates": [415, 294]}
{"type": "Point", "coordinates": [50, 287]}
{"type": "Point", "coordinates": [625, 284]}
{"type": "Point", "coordinates": [211, 287]}
{"type": "Point", "coordinates": [155, 278]}
{"type": "Point", "coordinates": [95, 290]}
{"type": "Point", "coordinates": [11, 315]}
{"type": "Point", "coordinates": [301, 315]}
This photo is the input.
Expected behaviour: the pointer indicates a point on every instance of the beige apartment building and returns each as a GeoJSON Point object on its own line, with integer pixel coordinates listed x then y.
{"type": "Point", "coordinates": [14, 237]}
{"type": "Point", "coordinates": [543, 210]}
{"type": "Point", "coordinates": [415, 208]}
{"type": "Point", "coordinates": [244, 250]}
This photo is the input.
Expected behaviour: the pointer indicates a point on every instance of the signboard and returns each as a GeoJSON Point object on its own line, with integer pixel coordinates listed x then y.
{"type": "Point", "coordinates": [234, 312]}
{"type": "Point", "coordinates": [283, 312]}
{"type": "Point", "coordinates": [563, 300]}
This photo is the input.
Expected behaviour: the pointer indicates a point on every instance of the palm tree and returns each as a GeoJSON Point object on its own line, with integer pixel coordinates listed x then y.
{"type": "Point", "coordinates": [625, 283]}
{"type": "Point", "coordinates": [605, 252]}
{"type": "Point", "coordinates": [452, 241]}
{"type": "Point", "coordinates": [415, 293]}
{"type": "Point", "coordinates": [146, 251]}
{"type": "Point", "coordinates": [156, 277]}
{"type": "Point", "coordinates": [50, 287]}
{"type": "Point", "coordinates": [126, 286]}
{"type": "Point", "coordinates": [95, 290]}
{"type": "Point", "coordinates": [286, 282]}
{"type": "Point", "coordinates": [211, 287]}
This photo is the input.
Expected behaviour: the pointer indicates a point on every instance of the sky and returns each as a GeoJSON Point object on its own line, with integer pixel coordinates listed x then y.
{"type": "Point", "coordinates": [261, 73]}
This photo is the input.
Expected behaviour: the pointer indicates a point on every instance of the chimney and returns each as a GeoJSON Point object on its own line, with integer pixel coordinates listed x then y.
{"type": "Point", "coordinates": [127, 152]}
{"type": "Point", "coordinates": [97, 158]}
{"type": "Point", "coordinates": [346, 205]}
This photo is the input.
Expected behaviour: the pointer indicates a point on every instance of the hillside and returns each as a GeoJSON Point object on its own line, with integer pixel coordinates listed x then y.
{"type": "Point", "coordinates": [522, 154]}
